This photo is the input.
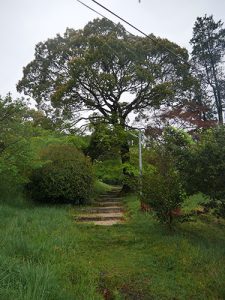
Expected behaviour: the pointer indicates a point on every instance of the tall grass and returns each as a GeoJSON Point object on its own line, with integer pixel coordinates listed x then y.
{"type": "Point", "coordinates": [44, 254]}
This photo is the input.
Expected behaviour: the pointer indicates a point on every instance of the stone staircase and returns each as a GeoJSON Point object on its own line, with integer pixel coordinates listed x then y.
{"type": "Point", "coordinates": [107, 210]}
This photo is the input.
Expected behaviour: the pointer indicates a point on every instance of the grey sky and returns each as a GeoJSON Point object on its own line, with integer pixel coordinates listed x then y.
{"type": "Point", "coordinates": [24, 23]}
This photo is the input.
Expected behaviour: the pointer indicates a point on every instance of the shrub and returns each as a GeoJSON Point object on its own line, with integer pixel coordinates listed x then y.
{"type": "Point", "coordinates": [209, 171]}
{"type": "Point", "coordinates": [131, 180]}
{"type": "Point", "coordinates": [163, 192]}
{"type": "Point", "coordinates": [65, 177]}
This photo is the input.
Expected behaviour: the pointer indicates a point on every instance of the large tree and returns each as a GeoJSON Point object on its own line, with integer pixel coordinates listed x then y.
{"type": "Point", "coordinates": [208, 57]}
{"type": "Point", "coordinates": [105, 71]}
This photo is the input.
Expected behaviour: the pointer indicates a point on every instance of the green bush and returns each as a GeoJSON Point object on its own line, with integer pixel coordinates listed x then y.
{"type": "Point", "coordinates": [131, 180]}
{"type": "Point", "coordinates": [66, 176]}
{"type": "Point", "coordinates": [163, 192]}
{"type": "Point", "coordinates": [208, 173]}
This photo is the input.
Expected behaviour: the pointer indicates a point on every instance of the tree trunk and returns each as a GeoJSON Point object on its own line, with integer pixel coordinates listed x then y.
{"type": "Point", "coordinates": [220, 114]}
{"type": "Point", "coordinates": [125, 158]}
{"type": "Point", "coordinates": [218, 105]}
{"type": "Point", "coordinates": [217, 93]}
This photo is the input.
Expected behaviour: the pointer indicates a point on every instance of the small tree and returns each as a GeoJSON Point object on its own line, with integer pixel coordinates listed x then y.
{"type": "Point", "coordinates": [162, 189]}
{"type": "Point", "coordinates": [179, 146]}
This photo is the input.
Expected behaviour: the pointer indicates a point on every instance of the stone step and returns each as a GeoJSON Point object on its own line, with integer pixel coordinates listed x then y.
{"type": "Point", "coordinates": [106, 210]}
{"type": "Point", "coordinates": [110, 194]}
{"type": "Point", "coordinates": [110, 199]}
{"type": "Point", "coordinates": [100, 217]}
{"type": "Point", "coordinates": [115, 190]}
{"type": "Point", "coordinates": [110, 209]}
{"type": "Point", "coordinates": [108, 223]}
{"type": "Point", "coordinates": [94, 219]}
{"type": "Point", "coordinates": [108, 203]}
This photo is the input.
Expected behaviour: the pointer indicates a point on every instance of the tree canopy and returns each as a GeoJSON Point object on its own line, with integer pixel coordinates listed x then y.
{"type": "Point", "coordinates": [106, 71]}
{"type": "Point", "coordinates": [208, 56]}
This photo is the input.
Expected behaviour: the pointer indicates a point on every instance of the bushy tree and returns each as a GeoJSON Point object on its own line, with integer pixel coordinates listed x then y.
{"type": "Point", "coordinates": [178, 146]}
{"type": "Point", "coordinates": [66, 176]}
{"type": "Point", "coordinates": [162, 189]}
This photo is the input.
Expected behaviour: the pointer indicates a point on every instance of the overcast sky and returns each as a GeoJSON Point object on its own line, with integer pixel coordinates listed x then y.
{"type": "Point", "coordinates": [24, 23]}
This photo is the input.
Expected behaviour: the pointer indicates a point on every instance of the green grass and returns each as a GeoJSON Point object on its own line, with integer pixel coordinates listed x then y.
{"type": "Point", "coordinates": [44, 254]}
{"type": "Point", "coordinates": [194, 202]}
{"type": "Point", "coordinates": [101, 187]}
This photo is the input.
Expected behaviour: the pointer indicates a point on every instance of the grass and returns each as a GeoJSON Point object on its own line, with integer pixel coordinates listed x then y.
{"type": "Point", "coordinates": [101, 187]}
{"type": "Point", "coordinates": [194, 203]}
{"type": "Point", "coordinates": [44, 254]}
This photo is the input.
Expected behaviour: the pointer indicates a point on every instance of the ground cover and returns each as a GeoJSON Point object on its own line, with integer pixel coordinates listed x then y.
{"type": "Point", "coordinates": [44, 254]}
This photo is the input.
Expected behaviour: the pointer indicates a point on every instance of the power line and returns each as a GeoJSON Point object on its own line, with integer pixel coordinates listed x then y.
{"type": "Point", "coordinates": [92, 9]}
{"type": "Point", "coordinates": [149, 37]}
{"type": "Point", "coordinates": [101, 15]}
{"type": "Point", "coordinates": [137, 29]}
{"type": "Point", "coordinates": [89, 7]}
{"type": "Point", "coordinates": [140, 31]}
{"type": "Point", "coordinates": [189, 64]}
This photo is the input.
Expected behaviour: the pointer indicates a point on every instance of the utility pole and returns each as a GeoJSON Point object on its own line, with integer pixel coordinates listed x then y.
{"type": "Point", "coordinates": [140, 159]}
{"type": "Point", "coordinates": [140, 152]}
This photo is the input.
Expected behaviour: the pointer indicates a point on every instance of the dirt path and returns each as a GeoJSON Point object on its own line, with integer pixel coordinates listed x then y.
{"type": "Point", "coordinates": [108, 210]}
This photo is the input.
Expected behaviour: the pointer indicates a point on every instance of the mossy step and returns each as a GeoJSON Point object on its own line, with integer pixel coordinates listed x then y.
{"type": "Point", "coordinates": [110, 199]}
{"type": "Point", "coordinates": [100, 217]}
{"type": "Point", "coordinates": [113, 194]}
{"type": "Point", "coordinates": [93, 219]}
{"type": "Point", "coordinates": [108, 203]}
{"type": "Point", "coordinates": [108, 223]}
{"type": "Point", "coordinates": [110, 209]}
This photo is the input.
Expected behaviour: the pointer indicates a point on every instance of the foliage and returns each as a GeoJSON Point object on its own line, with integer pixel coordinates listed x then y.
{"type": "Point", "coordinates": [16, 155]}
{"type": "Point", "coordinates": [98, 65]}
{"type": "Point", "coordinates": [172, 138]}
{"type": "Point", "coordinates": [194, 204]}
{"type": "Point", "coordinates": [208, 57]}
{"type": "Point", "coordinates": [208, 159]}
{"type": "Point", "coordinates": [162, 190]}
{"type": "Point", "coordinates": [80, 142]}
{"type": "Point", "coordinates": [177, 145]}
{"type": "Point", "coordinates": [176, 139]}
{"type": "Point", "coordinates": [95, 69]}
{"type": "Point", "coordinates": [38, 119]}
{"type": "Point", "coordinates": [132, 177]}
{"type": "Point", "coordinates": [104, 142]}
{"type": "Point", "coordinates": [109, 171]}
{"type": "Point", "coordinates": [43, 138]}
{"type": "Point", "coordinates": [200, 163]}
{"type": "Point", "coordinates": [65, 177]}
